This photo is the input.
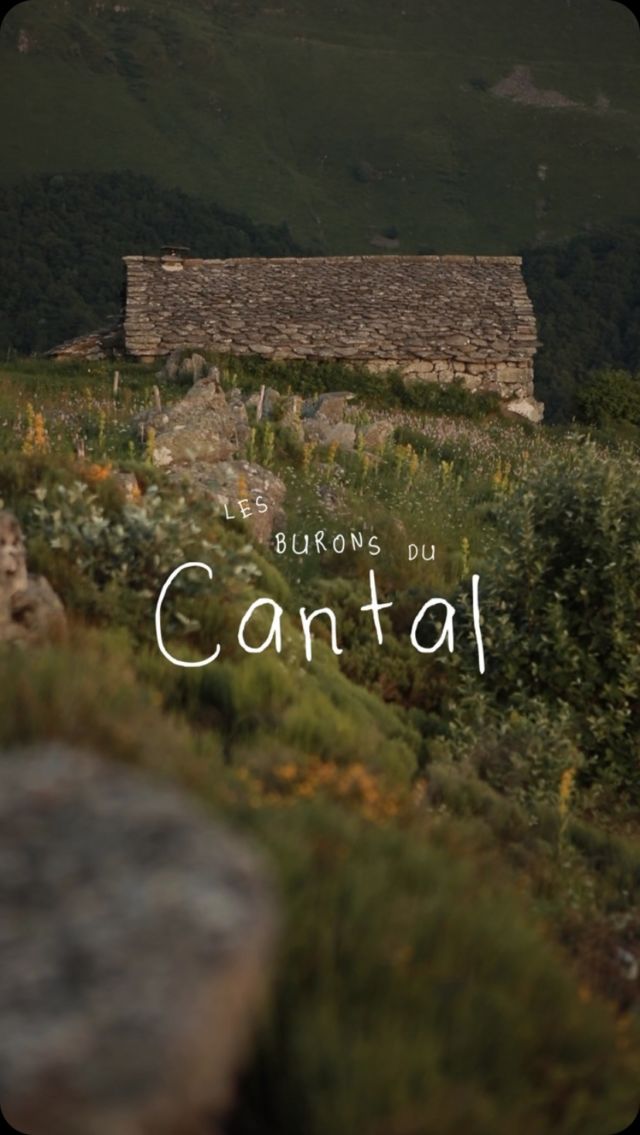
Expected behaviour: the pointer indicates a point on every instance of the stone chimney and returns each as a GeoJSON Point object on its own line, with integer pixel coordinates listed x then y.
{"type": "Point", "coordinates": [173, 256]}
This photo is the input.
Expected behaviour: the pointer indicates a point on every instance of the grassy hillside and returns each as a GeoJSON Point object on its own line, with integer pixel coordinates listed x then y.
{"type": "Point", "coordinates": [353, 122]}
{"type": "Point", "coordinates": [458, 855]}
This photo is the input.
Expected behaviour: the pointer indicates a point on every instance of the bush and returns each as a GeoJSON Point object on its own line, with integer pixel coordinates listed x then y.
{"type": "Point", "coordinates": [388, 390]}
{"type": "Point", "coordinates": [610, 396]}
{"type": "Point", "coordinates": [413, 998]}
{"type": "Point", "coordinates": [89, 695]}
{"type": "Point", "coordinates": [560, 599]}
{"type": "Point", "coordinates": [525, 753]}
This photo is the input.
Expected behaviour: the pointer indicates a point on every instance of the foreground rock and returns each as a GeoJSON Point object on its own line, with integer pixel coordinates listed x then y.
{"type": "Point", "coordinates": [135, 942]}
{"type": "Point", "coordinates": [30, 611]}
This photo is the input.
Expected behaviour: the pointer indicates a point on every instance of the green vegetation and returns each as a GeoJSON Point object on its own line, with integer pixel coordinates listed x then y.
{"type": "Point", "coordinates": [561, 611]}
{"type": "Point", "coordinates": [585, 294]}
{"type": "Point", "coordinates": [459, 856]}
{"type": "Point", "coordinates": [353, 122]}
{"type": "Point", "coordinates": [379, 391]}
{"type": "Point", "coordinates": [611, 398]}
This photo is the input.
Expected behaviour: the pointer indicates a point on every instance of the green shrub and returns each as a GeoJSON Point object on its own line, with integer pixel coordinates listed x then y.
{"type": "Point", "coordinates": [89, 694]}
{"type": "Point", "coordinates": [560, 601]}
{"type": "Point", "coordinates": [389, 390]}
{"type": "Point", "coordinates": [609, 396]}
{"type": "Point", "coordinates": [108, 558]}
{"type": "Point", "coordinates": [522, 752]}
{"type": "Point", "coordinates": [414, 998]}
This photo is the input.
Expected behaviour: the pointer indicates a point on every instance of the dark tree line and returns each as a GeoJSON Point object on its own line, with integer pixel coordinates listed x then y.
{"type": "Point", "coordinates": [62, 239]}
{"type": "Point", "coordinates": [586, 293]}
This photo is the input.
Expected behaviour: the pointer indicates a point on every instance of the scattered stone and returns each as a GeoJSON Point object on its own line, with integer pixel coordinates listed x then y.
{"type": "Point", "coordinates": [526, 408]}
{"type": "Point", "coordinates": [135, 946]}
{"type": "Point", "coordinates": [519, 86]}
{"type": "Point", "coordinates": [289, 415]}
{"type": "Point", "coordinates": [271, 406]}
{"type": "Point", "coordinates": [323, 432]}
{"type": "Point", "coordinates": [195, 367]}
{"type": "Point", "coordinates": [30, 611]}
{"type": "Point", "coordinates": [628, 964]}
{"type": "Point", "coordinates": [187, 368]}
{"type": "Point", "coordinates": [129, 484]}
{"type": "Point", "coordinates": [375, 435]}
{"type": "Point", "coordinates": [332, 406]}
{"type": "Point", "coordinates": [203, 426]}
{"type": "Point", "coordinates": [198, 439]}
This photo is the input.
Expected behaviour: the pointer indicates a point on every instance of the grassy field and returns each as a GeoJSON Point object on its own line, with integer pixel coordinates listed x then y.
{"type": "Point", "coordinates": [459, 857]}
{"type": "Point", "coordinates": [353, 123]}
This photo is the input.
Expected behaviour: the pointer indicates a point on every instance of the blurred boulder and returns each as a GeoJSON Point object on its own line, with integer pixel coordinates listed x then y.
{"type": "Point", "coordinates": [324, 432]}
{"type": "Point", "coordinates": [135, 942]}
{"type": "Point", "coordinates": [197, 440]}
{"type": "Point", "coordinates": [323, 420]}
{"type": "Point", "coordinates": [376, 435]}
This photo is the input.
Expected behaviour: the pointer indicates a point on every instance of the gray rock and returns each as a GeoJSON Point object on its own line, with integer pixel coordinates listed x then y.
{"type": "Point", "coordinates": [194, 368]}
{"type": "Point", "coordinates": [331, 406]}
{"type": "Point", "coordinates": [376, 435]}
{"type": "Point", "coordinates": [526, 408]}
{"type": "Point", "coordinates": [628, 964]}
{"type": "Point", "coordinates": [272, 403]}
{"type": "Point", "coordinates": [171, 366]}
{"type": "Point", "coordinates": [186, 368]}
{"type": "Point", "coordinates": [129, 485]}
{"type": "Point", "coordinates": [203, 426]}
{"type": "Point", "coordinates": [135, 942]}
{"type": "Point", "coordinates": [197, 440]}
{"type": "Point", "coordinates": [324, 432]}
{"type": "Point", "coordinates": [30, 611]}
{"type": "Point", "coordinates": [228, 482]}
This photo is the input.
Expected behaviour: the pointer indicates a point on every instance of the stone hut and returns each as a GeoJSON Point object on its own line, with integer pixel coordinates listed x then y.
{"type": "Point", "coordinates": [435, 318]}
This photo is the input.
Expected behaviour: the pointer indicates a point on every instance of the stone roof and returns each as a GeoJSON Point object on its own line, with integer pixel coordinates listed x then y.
{"type": "Point", "coordinates": [469, 308]}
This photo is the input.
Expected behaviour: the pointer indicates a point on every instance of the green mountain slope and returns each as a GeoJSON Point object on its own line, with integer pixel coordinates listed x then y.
{"type": "Point", "coordinates": [441, 125]}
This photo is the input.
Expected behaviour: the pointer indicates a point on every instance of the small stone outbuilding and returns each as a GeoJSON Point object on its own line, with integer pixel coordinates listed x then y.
{"type": "Point", "coordinates": [435, 318]}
